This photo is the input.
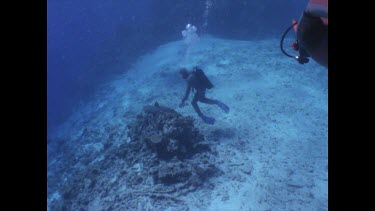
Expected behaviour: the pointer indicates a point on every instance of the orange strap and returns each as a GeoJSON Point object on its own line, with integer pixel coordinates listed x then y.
{"type": "Point", "coordinates": [295, 27]}
{"type": "Point", "coordinates": [321, 2]}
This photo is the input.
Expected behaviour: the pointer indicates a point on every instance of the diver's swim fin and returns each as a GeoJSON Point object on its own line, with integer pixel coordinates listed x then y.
{"type": "Point", "coordinates": [223, 106]}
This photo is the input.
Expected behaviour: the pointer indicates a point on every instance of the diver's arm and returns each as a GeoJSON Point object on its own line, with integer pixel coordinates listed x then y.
{"type": "Point", "coordinates": [317, 8]}
{"type": "Point", "coordinates": [187, 92]}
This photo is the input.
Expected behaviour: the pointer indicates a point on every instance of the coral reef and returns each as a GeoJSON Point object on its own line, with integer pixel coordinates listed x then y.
{"type": "Point", "coordinates": [166, 132]}
{"type": "Point", "coordinates": [174, 139]}
{"type": "Point", "coordinates": [165, 158]}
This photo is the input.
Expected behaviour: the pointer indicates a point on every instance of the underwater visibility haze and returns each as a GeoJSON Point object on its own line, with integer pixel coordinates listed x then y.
{"type": "Point", "coordinates": [187, 105]}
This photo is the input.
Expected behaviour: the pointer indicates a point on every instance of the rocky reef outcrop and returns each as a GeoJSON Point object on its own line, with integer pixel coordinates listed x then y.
{"type": "Point", "coordinates": [166, 132]}
{"type": "Point", "coordinates": [162, 157]}
{"type": "Point", "coordinates": [177, 148]}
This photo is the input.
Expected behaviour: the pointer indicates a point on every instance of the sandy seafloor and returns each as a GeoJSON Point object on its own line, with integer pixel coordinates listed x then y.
{"type": "Point", "coordinates": [272, 146]}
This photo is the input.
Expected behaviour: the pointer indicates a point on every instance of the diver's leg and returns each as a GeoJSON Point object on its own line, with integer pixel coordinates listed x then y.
{"type": "Point", "coordinates": [206, 100]}
{"type": "Point", "coordinates": [206, 119]}
{"type": "Point", "coordinates": [195, 105]}
{"type": "Point", "coordinates": [201, 96]}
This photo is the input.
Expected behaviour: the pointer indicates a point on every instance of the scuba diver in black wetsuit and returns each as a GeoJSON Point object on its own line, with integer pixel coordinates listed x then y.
{"type": "Point", "coordinates": [197, 80]}
{"type": "Point", "coordinates": [312, 34]}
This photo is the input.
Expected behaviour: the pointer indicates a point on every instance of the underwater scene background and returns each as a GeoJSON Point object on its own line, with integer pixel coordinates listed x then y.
{"type": "Point", "coordinates": [118, 140]}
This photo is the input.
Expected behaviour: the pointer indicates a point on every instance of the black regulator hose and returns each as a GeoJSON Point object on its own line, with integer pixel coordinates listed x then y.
{"type": "Point", "coordinates": [282, 41]}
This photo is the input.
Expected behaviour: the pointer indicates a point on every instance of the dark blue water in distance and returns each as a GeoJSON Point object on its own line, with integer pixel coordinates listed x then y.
{"type": "Point", "coordinates": [86, 36]}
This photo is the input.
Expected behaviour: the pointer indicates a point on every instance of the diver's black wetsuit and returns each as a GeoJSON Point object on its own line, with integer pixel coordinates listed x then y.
{"type": "Point", "coordinates": [200, 95]}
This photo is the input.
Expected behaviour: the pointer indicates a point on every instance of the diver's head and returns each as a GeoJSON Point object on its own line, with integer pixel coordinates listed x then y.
{"type": "Point", "coordinates": [184, 73]}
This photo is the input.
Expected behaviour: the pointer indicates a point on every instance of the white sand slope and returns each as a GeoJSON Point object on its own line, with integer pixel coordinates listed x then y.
{"type": "Point", "coordinates": [272, 146]}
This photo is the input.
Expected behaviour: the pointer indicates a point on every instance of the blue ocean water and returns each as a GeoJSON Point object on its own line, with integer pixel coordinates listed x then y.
{"type": "Point", "coordinates": [85, 36]}
{"type": "Point", "coordinates": [108, 59]}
